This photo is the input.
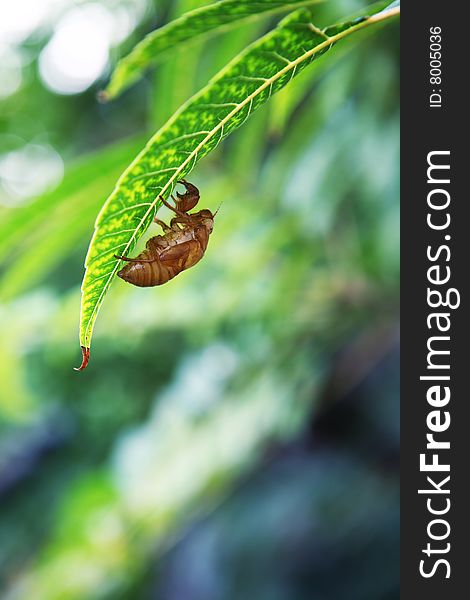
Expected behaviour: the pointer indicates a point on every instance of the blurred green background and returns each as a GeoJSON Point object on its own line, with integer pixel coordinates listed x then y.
{"type": "Point", "coordinates": [236, 433]}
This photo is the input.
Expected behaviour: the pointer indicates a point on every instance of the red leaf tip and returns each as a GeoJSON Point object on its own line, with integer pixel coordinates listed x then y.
{"type": "Point", "coordinates": [85, 359]}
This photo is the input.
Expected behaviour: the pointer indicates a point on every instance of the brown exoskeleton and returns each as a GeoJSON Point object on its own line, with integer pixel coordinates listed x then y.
{"type": "Point", "coordinates": [181, 246]}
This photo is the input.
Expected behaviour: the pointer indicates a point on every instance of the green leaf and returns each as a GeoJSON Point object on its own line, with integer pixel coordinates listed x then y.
{"type": "Point", "coordinates": [36, 238]}
{"type": "Point", "coordinates": [195, 130]}
{"type": "Point", "coordinates": [203, 21]}
{"type": "Point", "coordinates": [21, 226]}
{"type": "Point", "coordinates": [60, 233]}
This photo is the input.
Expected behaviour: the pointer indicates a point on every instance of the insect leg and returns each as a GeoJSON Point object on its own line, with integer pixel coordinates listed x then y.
{"type": "Point", "coordinates": [178, 212]}
{"type": "Point", "coordinates": [179, 220]}
{"type": "Point", "coordinates": [162, 224]}
{"type": "Point", "coordinates": [189, 199]}
{"type": "Point", "coordinates": [135, 260]}
{"type": "Point", "coordinates": [190, 187]}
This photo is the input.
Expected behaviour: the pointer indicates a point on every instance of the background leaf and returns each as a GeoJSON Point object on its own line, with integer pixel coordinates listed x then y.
{"type": "Point", "coordinates": [189, 27]}
{"type": "Point", "coordinates": [34, 239]}
{"type": "Point", "coordinates": [17, 225]}
{"type": "Point", "coordinates": [194, 131]}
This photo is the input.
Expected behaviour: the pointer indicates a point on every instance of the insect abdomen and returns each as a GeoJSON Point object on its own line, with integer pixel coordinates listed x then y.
{"type": "Point", "coordinates": [146, 274]}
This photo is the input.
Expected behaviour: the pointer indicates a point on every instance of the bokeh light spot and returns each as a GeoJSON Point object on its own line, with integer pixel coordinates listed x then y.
{"type": "Point", "coordinates": [77, 53]}
{"type": "Point", "coordinates": [28, 172]}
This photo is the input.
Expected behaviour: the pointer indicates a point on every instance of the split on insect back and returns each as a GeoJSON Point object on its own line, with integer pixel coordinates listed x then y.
{"type": "Point", "coordinates": [182, 245]}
